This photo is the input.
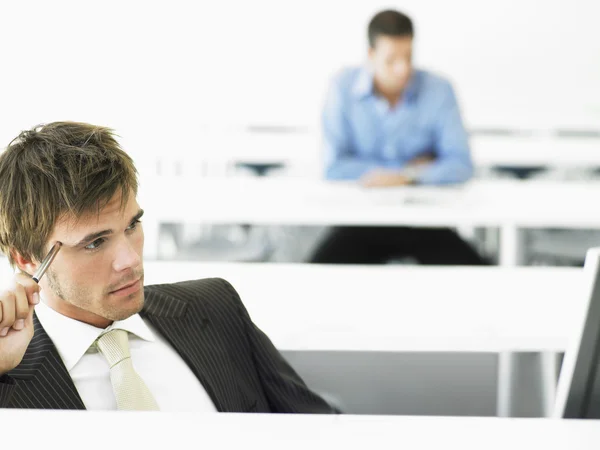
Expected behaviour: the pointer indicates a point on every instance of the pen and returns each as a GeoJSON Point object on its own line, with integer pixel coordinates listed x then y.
{"type": "Point", "coordinates": [37, 276]}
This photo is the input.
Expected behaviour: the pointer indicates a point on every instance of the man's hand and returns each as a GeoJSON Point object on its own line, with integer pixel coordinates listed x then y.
{"type": "Point", "coordinates": [385, 178]}
{"type": "Point", "coordinates": [398, 177]}
{"type": "Point", "coordinates": [16, 320]}
{"type": "Point", "coordinates": [423, 160]}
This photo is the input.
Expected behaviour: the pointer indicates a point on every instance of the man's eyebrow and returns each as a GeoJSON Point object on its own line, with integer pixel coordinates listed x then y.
{"type": "Point", "coordinates": [98, 234]}
{"type": "Point", "coordinates": [138, 216]}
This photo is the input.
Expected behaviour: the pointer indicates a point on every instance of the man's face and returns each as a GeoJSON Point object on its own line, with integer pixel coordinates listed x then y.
{"type": "Point", "coordinates": [97, 276]}
{"type": "Point", "coordinates": [391, 59]}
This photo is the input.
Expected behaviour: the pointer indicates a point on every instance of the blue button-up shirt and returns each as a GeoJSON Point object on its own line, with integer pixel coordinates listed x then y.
{"type": "Point", "coordinates": [363, 133]}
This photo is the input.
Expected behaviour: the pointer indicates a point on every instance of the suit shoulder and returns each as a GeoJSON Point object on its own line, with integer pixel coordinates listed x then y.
{"type": "Point", "coordinates": [206, 292]}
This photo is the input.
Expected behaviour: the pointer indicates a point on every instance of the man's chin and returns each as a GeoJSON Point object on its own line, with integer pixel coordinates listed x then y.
{"type": "Point", "coordinates": [128, 307]}
{"type": "Point", "coordinates": [136, 305]}
{"type": "Point", "coordinates": [398, 88]}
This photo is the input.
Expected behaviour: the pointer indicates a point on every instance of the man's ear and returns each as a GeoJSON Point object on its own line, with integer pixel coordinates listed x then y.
{"type": "Point", "coordinates": [24, 264]}
{"type": "Point", "coordinates": [370, 53]}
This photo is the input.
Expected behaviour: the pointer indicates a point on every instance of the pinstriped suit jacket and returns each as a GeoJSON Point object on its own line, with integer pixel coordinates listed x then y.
{"type": "Point", "coordinates": [207, 324]}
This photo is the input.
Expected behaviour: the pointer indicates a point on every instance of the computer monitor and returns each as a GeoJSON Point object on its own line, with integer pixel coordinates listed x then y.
{"type": "Point", "coordinates": [578, 392]}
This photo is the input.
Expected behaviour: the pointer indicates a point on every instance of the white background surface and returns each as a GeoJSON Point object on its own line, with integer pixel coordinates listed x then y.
{"type": "Point", "coordinates": [71, 430]}
{"type": "Point", "coordinates": [398, 308]}
{"type": "Point", "coordinates": [161, 72]}
{"type": "Point", "coordinates": [401, 308]}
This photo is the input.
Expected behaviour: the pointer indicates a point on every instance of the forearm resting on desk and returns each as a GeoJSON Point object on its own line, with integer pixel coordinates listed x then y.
{"type": "Point", "coordinates": [354, 168]}
{"type": "Point", "coordinates": [422, 170]}
{"type": "Point", "coordinates": [408, 174]}
{"type": "Point", "coordinates": [373, 173]}
{"type": "Point", "coordinates": [445, 171]}
{"type": "Point", "coordinates": [349, 168]}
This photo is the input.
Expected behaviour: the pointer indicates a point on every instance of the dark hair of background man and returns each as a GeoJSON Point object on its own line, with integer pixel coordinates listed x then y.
{"type": "Point", "coordinates": [389, 23]}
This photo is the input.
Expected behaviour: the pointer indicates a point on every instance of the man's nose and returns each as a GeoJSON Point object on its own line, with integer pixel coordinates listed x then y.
{"type": "Point", "coordinates": [126, 257]}
{"type": "Point", "coordinates": [400, 68]}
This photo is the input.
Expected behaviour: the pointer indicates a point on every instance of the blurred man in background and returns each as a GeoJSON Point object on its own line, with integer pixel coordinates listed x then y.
{"type": "Point", "coordinates": [385, 125]}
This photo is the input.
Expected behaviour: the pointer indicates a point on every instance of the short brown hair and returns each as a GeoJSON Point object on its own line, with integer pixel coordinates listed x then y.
{"type": "Point", "coordinates": [55, 170]}
{"type": "Point", "coordinates": [389, 23]}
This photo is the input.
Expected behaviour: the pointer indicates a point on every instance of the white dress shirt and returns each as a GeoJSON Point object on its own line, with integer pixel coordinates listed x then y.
{"type": "Point", "coordinates": [171, 381]}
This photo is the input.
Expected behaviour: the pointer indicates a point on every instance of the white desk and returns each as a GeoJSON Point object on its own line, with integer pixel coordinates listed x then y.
{"type": "Point", "coordinates": [217, 152]}
{"type": "Point", "coordinates": [511, 206]}
{"type": "Point", "coordinates": [320, 308]}
{"type": "Point", "coordinates": [399, 308]}
{"type": "Point", "coordinates": [542, 149]}
{"type": "Point", "coordinates": [503, 311]}
{"type": "Point", "coordinates": [79, 429]}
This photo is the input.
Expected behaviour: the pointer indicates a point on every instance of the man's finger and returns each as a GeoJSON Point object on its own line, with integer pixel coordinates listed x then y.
{"type": "Point", "coordinates": [32, 289]}
{"type": "Point", "coordinates": [21, 307]}
{"type": "Point", "coordinates": [29, 318]}
{"type": "Point", "coordinates": [8, 310]}
{"type": "Point", "coordinates": [373, 181]}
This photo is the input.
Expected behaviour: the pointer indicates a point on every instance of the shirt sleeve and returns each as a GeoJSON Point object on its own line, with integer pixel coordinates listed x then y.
{"type": "Point", "coordinates": [341, 160]}
{"type": "Point", "coordinates": [451, 144]}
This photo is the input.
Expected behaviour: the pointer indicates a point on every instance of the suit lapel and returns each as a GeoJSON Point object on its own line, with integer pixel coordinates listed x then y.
{"type": "Point", "coordinates": [42, 379]}
{"type": "Point", "coordinates": [191, 336]}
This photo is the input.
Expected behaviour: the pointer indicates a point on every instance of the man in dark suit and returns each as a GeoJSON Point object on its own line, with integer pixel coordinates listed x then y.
{"type": "Point", "coordinates": [98, 339]}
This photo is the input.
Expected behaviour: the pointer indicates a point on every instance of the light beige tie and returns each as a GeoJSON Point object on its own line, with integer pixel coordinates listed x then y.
{"type": "Point", "coordinates": [131, 392]}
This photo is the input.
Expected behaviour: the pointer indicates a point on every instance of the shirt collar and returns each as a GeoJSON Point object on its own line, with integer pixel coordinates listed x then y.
{"type": "Point", "coordinates": [363, 84]}
{"type": "Point", "coordinates": [73, 338]}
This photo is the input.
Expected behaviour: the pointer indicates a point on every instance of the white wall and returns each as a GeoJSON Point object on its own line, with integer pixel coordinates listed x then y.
{"type": "Point", "coordinates": [172, 68]}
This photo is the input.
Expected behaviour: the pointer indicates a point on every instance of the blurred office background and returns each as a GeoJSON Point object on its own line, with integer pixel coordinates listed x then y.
{"type": "Point", "coordinates": [234, 89]}
{"type": "Point", "coordinates": [208, 88]}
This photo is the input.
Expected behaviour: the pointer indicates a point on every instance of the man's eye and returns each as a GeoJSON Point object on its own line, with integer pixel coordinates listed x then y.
{"type": "Point", "coordinates": [95, 245]}
{"type": "Point", "coordinates": [134, 225]}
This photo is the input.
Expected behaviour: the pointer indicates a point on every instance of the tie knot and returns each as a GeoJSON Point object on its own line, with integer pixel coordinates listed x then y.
{"type": "Point", "coordinates": [114, 345]}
